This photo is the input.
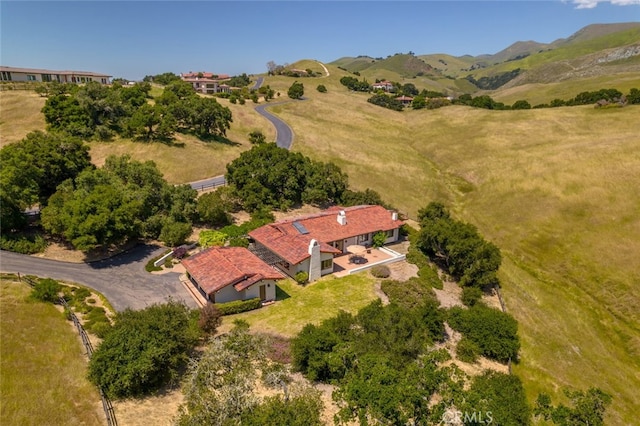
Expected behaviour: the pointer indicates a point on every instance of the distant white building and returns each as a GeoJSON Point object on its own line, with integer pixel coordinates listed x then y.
{"type": "Point", "coordinates": [44, 76]}
{"type": "Point", "coordinates": [206, 82]}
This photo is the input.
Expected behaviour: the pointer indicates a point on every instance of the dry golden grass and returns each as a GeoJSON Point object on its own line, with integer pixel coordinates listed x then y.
{"type": "Point", "coordinates": [19, 114]}
{"type": "Point", "coordinates": [556, 189]}
{"type": "Point", "coordinates": [544, 93]}
{"type": "Point", "coordinates": [43, 380]}
{"type": "Point", "coordinates": [188, 158]}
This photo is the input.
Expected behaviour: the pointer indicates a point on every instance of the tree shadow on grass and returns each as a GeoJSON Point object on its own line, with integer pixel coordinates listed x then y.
{"type": "Point", "coordinates": [281, 294]}
{"type": "Point", "coordinates": [218, 139]}
{"type": "Point", "coordinates": [169, 141]}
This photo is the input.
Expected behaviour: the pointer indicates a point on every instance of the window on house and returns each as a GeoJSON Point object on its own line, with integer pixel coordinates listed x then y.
{"type": "Point", "coordinates": [6, 76]}
{"type": "Point", "coordinates": [326, 264]}
{"type": "Point", "coordinates": [390, 233]}
{"type": "Point", "coordinates": [362, 238]}
{"type": "Point", "coordinates": [31, 77]}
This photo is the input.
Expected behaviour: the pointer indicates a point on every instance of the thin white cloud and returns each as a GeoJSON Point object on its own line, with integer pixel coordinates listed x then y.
{"type": "Point", "coordinates": [590, 4]}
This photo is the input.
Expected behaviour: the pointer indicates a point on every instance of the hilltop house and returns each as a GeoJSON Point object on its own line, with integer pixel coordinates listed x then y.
{"type": "Point", "coordinates": [206, 82]}
{"type": "Point", "coordinates": [385, 85]}
{"type": "Point", "coordinates": [405, 100]}
{"type": "Point", "coordinates": [309, 243]}
{"type": "Point", "coordinates": [225, 274]}
{"type": "Point", "coordinates": [44, 76]}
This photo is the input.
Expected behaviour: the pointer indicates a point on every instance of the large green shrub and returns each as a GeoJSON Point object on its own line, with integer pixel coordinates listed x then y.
{"type": "Point", "coordinates": [238, 306]}
{"type": "Point", "coordinates": [23, 245]}
{"type": "Point", "coordinates": [380, 271]}
{"type": "Point", "coordinates": [46, 290]}
{"type": "Point", "coordinates": [302, 277]}
{"type": "Point", "coordinates": [493, 331]}
{"type": "Point", "coordinates": [144, 350]}
{"type": "Point", "coordinates": [378, 239]}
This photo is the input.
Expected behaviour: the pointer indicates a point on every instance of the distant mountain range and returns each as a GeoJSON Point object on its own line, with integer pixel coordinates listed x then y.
{"type": "Point", "coordinates": [598, 49]}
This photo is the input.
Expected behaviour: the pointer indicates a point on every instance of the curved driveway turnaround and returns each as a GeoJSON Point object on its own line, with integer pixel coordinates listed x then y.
{"type": "Point", "coordinates": [122, 279]}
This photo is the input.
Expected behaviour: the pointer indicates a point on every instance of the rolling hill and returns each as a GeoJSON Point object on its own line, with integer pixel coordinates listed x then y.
{"type": "Point", "coordinates": [596, 50]}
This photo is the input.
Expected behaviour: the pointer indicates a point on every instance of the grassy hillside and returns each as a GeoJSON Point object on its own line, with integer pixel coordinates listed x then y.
{"type": "Point", "coordinates": [567, 52]}
{"type": "Point", "coordinates": [538, 93]}
{"type": "Point", "coordinates": [186, 159]}
{"type": "Point", "coordinates": [19, 114]}
{"type": "Point", "coordinates": [556, 189]}
{"type": "Point", "coordinates": [43, 380]}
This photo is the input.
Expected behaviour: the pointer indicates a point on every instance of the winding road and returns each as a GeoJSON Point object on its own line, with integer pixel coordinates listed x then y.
{"type": "Point", "coordinates": [123, 279]}
{"type": "Point", "coordinates": [284, 139]}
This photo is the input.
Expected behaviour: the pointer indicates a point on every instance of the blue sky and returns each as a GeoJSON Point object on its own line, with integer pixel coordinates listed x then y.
{"type": "Point", "coordinates": [134, 39]}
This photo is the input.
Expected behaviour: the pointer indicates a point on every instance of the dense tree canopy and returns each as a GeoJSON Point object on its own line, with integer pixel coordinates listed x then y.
{"type": "Point", "coordinates": [96, 110]}
{"type": "Point", "coordinates": [494, 332]}
{"type": "Point", "coordinates": [587, 408]}
{"type": "Point", "coordinates": [466, 255]}
{"type": "Point", "coordinates": [124, 200]}
{"type": "Point", "coordinates": [354, 84]}
{"type": "Point", "coordinates": [33, 168]}
{"type": "Point", "coordinates": [269, 176]}
{"type": "Point", "coordinates": [144, 350]}
{"type": "Point", "coordinates": [386, 101]}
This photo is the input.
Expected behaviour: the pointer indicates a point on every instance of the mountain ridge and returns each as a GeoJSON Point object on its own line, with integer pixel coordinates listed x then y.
{"type": "Point", "coordinates": [592, 50]}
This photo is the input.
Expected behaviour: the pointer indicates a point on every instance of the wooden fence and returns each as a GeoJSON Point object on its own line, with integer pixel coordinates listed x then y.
{"type": "Point", "coordinates": [504, 309]}
{"type": "Point", "coordinates": [106, 403]}
{"type": "Point", "coordinates": [204, 187]}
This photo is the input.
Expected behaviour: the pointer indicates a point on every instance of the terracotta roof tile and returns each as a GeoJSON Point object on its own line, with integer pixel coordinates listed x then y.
{"type": "Point", "coordinates": [286, 241]}
{"type": "Point", "coordinates": [218, 267]}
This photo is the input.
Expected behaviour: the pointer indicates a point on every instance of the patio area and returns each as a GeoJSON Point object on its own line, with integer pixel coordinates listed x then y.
{"type": "Point", "coordinates": [350, 263]}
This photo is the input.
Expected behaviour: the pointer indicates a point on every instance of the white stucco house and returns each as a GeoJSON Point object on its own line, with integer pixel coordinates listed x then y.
{"type": "Point", "coordinates": [226, 274]}
{"type": "Point", "coordinates": [45, 76]}
{"type": "Point", "coordinates": [309, 243]}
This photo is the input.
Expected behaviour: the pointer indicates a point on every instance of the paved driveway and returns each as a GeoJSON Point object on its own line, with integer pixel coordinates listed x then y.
{"type": "Point", "coordinates": [284, 134]}
{"type": "Point", "coordinates": [122, 279]}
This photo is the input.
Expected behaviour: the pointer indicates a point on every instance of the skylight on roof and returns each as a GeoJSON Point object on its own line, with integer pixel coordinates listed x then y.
{"type": "Point", "coordinates": [300, 227]}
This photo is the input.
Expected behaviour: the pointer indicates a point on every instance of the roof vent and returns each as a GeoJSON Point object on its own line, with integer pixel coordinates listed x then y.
{"type": "Point", "coordinates": [394, 216]}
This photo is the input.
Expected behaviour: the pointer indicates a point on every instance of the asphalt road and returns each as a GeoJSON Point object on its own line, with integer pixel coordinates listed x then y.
{"type": "Point", "coordinates": [284, 134]}
{"type": "Point", "coordinates": [122, 279]}
{"type": "Point", "coordinates": [284, 139]}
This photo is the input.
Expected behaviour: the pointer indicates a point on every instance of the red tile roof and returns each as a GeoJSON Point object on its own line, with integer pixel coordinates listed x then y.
{"type": "Point", "coordinates": [202, 75]}
{"type": "Point", "coordinates": [286, 241]}
{"type": "Point", "coordinates": [219, 267]}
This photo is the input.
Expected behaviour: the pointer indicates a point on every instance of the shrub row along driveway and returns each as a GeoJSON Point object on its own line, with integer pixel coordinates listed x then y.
{"type": "Point", "coordinates": [122, 279]}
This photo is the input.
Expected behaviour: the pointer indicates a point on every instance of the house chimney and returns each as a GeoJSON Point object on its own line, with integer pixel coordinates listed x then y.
{"type": "Point", "coordinates": [342, 218]}
{"type": "Point", "coordinates": [315, 262]}
{"type": "Point", "coordinates": [394, 216]}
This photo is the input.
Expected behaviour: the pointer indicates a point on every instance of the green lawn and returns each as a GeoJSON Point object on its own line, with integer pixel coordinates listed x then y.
{"type": "Point", "coordinates": [299, 305]}
{"type": "Point", "coordinates": [43, 365]}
